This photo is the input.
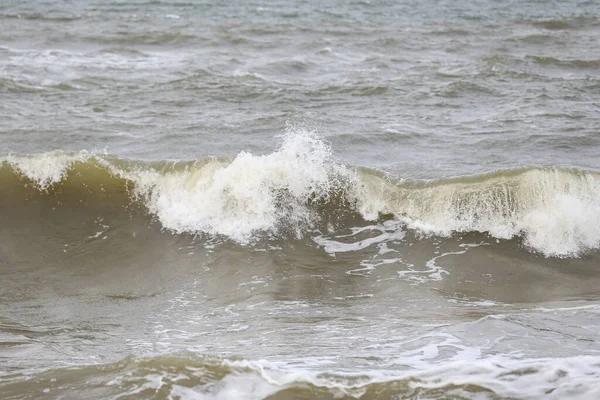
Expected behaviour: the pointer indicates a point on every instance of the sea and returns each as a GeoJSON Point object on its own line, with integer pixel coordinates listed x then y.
{"type": "Point", "coordinates": [333, 199]}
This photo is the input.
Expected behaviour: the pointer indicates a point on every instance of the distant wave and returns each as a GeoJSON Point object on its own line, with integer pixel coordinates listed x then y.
{"type": "Point", "coordinates": [555, 211]}
{"type": "Point", "coordinates": [565, 23]}
{"type": "Point", "coordinates": [40, 17]}
{"type": "Point", "coordinates": [579, 64]}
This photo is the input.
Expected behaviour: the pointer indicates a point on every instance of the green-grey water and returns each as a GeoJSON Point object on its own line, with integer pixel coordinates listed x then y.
{"type": "Point", "coordinates": [294, 200]}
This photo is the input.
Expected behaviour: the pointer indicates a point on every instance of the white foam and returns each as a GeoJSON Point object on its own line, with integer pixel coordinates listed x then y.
{"type": "Point", "coordinates": [387, 233]}
{"type": "Point", "coordinates": [40, 68]}
{"type": "Point", "coordinates": [240, 386]}
{"type": "Point", "coordinates": [506, 377]}
{"type": "Point", "coordinates": [252, 193]}
{"type": "Point", "coordinates": [45, 169]}
{"type": "Point", "coordinates": [557, 212]}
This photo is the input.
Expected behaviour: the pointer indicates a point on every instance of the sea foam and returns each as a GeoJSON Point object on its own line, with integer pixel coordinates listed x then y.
{"type": "Point", "coordinates": [252, 193]}
{"type": "Point", "coordinates": [556, 211]}
{"type": "Point", "coordinates": [45, 169]}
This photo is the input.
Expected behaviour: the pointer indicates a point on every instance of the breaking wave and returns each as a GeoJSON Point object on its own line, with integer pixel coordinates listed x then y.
{"type": "Point", "coordinates": [300, 185]}
{"type": "Point", "coordinates": [196, 377]}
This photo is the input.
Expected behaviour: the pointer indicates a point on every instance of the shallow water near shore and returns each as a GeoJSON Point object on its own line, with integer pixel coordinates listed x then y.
{"type": "Point", "coordinates": [277, 200]}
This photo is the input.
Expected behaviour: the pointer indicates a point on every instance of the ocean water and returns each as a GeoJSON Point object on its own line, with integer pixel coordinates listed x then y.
{"type": "Point", "coordinates": [299, 200]}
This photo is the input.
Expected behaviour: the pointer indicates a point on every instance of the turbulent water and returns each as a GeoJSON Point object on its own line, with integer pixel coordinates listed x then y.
{"type": "Point", "coordinates": [297, 200]}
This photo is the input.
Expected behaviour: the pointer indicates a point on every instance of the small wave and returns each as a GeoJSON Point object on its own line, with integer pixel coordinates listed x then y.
{"type": "Point", "coordinates": [539, 68]}
{"type": "Point", "coordinates": [464, 88]}
{"type": "Point", "coordinates": [577, 64]}
{"type": "Point", "coordinates": [539, 39]}
{"type": "Point", "coordinates": [41, 17]}
{"type": "Point", "coordinates": [580, 22]}
{"type": "Point", "coordinates": [288, 66]}
{"type": "Point", "coordinates": [451, 32]}
{"type": "Point", "coordinates": [354, 89]}
{"type": "Point", "coordinates": [16, 86]}
{"type": "Point", "coordinates": [47, 169]}
{"type": "Point", "coordinates": [125, 51]}
{"type": "Point", "coordinates": [155, 38]}
{"type": "Point", "coordinates": [300, 186]}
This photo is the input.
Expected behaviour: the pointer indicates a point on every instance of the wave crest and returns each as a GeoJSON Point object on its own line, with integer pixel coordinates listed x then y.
{"type": "Point", "coordinates": [249, 194]}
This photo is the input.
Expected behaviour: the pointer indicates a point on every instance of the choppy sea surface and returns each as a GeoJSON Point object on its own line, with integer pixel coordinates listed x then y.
{"type": "Point", "coordinates": [298, 200]}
